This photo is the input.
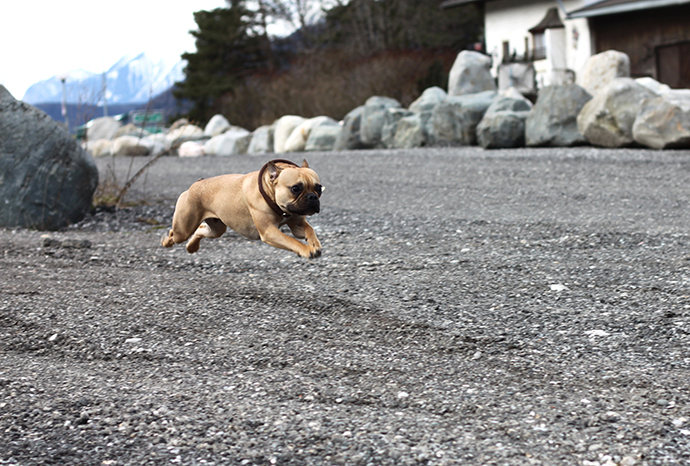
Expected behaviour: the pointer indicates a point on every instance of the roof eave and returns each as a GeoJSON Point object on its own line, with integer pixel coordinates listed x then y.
{"type": "Point", "coordinates": [589, 12]}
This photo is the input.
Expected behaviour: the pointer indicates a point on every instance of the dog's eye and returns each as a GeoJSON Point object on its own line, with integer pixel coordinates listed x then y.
{"type": "Point", "coordinates": [296, 189]}
{"type": "Point", "coordinates": [319, 189]}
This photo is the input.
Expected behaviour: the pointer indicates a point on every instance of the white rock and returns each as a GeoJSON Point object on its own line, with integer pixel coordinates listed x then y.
{"type": "Point", "coordinates": [283, 129]}
{"type": "Point", "coordinates": [225, 144]}
{"type": "Point", "coordinates": [128, 145]}
{"type": "Point", "coordinates": [297, 140]}
{"type": "Point", "coordinates": [601, 69]}
{"type": "Point", "coordinates": [100, 147]}
{"type": "Point", "coordinates": [191, 149]}
{"type": "Point", "coordinates": [558, 287]}
{"type": "Point", "coordinates": [186, 132]}
{"type": "Point", "coordinates": [155, 143]}
{"type": "Point", "coordinates": [597, 333]}
{"type": "Point", "coordinates": [218, 124]}
{"type": "Point", "coordinates": [103, 128]}
{"type": "Point", "coordinates": [653, 85]}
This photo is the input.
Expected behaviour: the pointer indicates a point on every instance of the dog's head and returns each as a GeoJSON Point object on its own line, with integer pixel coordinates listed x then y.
{"type": "Point", "coordinates": [297, 189]}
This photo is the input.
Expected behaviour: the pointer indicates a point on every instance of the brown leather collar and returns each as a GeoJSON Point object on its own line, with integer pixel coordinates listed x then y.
{"type": "Point", "coordinates": [271, 203]}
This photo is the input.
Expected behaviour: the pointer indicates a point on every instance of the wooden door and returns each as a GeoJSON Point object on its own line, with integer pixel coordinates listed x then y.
{"type": "Point", "coordinates": [673, 65]}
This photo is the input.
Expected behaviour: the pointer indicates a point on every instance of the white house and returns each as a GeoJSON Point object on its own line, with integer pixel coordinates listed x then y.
{"type": "Point", "coordinates": [536, 32]}
{"type": "Point", "coordinates": [556, 37]}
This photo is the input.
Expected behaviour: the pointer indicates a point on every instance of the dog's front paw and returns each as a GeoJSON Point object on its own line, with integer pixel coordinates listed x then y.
{"type": "Point", "coordinates": [314, 253]}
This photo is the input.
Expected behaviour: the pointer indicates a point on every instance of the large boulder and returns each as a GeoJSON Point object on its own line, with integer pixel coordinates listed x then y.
{"type": "Point", "coordinates": [350, 136]}
{"type": "Point", "coordinates": [664, 121]}
{"type": "Point", "coordinates": [284, 127]}
{"type": "Point", "coordinates": [102, 128]}
{"type": "Point", "coordinates": [230, 142]}
{"type": "Point", "coordinates": [99, 147]}
{"type": "Point", "coordinates": [428, 100]}
{"type": "Point", "coordinates": [218, 124]}
{"type": "Point", "coordinates": [455, 119]}
{"type": "Point", "coordinates": [47, 180]}
{"type": "Point", "coordinates": [179, 133]}
{"type": "Point", "coordinates": [262, 140]}
{"type": "Point", "coordinates": [470, 74]}
{"type": "Point", "coordinates": [553, 119]}
{"type": "Point", "coordinates": [391, 117]}
{"type": "Point", "coordinates": [601, 69]}
{"type": "Point", "coordinates": [299, 136]}
{"type": "Point", "coordinates": [654, 85]}
{"type": "Point", "coordinates": [155, 143]}
{"type": "Point", "coordinates": [130, 129]}
{"type": "Point", "coordinates": [128, 145]}
{"type": "Point", "coordinates": [322, 138]}
{"type": "Point", "coordinates": [410, 132]}
{"type": "Point", "coordinates": [608, 118]}
{"type": "Point", "coordinates": [191, 149]}
{"type": "Point", "coordinates": [503, 124]}
{"type": "Point", "coordinates": [501, 130]}
{"type": "Point", "coordinates": [373, 119]}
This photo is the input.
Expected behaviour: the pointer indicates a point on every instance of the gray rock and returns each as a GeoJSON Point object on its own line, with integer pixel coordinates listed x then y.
{"type": "Point", "coordinates": [502, 129]}
{"type": "Point", "coordinates": [410, 132]}
{"type": "Point", "coordinates": [502, 104]}
{"type": "Point", "coordinates": [428, 100]}
{"type": "Point", "coordinates": [349, 137]}
{"type": "Point", "coordinates": [228, 143]}
{"type": "Point", "coordinates": [470, 74]}
{"type": "Point", "coordinates": [262, 140]}
{"type": "Point", "coordinates": [664, 122]}
{"type": "Point", "coordinates": [47, 180]}
{"type": "Point", "coordinates": [608, 118]}
{"type": "Point", "coordinates": [373, 119]}
{"type": "Point", "coordinates": [601, 69]}
{"type": "Point", "coordinates": [103, 128]}
{"type": "Point", "coordinates": [391, 117]}
{"type": "Point", "coordinates": [455, 119]}
{"type": "Point", "coordinates": [322, 138]}
{"type": "Point", "coordinates": [553, 120]}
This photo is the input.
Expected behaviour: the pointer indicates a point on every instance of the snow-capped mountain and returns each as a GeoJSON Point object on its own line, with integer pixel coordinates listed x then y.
{"type": "Point", "coordinates": [133, 79]}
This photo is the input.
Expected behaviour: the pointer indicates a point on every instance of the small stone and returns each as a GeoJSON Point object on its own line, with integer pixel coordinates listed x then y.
{"type": "Point", "coordinates": [558, 287]}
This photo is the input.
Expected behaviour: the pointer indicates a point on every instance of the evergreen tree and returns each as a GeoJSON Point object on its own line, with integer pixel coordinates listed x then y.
{"type": "Point", "coordinates": [228, 48]}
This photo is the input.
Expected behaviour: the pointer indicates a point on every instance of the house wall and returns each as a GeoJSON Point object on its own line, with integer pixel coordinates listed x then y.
{"type": "Point", "coordinates": [510, 20]}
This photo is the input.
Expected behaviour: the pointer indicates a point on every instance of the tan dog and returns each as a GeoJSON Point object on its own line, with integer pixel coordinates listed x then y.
{"type": "Point", "coordinates": [255, 205]}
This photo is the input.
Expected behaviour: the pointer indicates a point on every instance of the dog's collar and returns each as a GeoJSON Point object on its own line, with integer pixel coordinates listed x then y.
{"type": "Point", "coordinates": [271, 203]}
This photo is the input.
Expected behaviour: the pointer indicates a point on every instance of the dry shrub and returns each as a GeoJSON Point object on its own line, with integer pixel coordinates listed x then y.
{"type": "Point", "coordinates": [330, 83]}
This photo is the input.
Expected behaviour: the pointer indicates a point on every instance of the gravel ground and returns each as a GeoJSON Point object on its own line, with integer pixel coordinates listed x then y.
{"type": "Point", "coordinates": [520, 307]}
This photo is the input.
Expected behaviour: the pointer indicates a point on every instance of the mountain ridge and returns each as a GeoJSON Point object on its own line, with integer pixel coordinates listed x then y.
{"type": "Point", "coordinates": [133, 79]}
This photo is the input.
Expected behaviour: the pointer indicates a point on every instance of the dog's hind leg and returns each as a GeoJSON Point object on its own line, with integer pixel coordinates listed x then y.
{"type": "Point", "coordinates": [209, 228]}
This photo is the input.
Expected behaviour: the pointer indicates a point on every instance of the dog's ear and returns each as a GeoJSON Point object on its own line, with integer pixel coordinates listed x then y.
{"type": "Point", "coordinates": [273, 171]}
{"type": "Point", "coordinates": [305, 164]}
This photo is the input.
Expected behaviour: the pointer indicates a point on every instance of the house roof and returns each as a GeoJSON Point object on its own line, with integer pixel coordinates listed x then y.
{"type": "Point", "coordinates": [551, 21]}
{"type": "Point", "coordinates": [609, 7]}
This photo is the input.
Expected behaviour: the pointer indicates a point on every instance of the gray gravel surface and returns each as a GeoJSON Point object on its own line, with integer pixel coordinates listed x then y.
{"type": "Point", "coordinates": [520, 307]}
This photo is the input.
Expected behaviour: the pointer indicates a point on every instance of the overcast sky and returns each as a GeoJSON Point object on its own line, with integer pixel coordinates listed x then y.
{"type": "Point", "coordinates": [43, 38]}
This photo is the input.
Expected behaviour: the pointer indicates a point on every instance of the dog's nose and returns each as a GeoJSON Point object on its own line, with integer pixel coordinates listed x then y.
{"type": "Point", "coordinates": [311, 197]}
